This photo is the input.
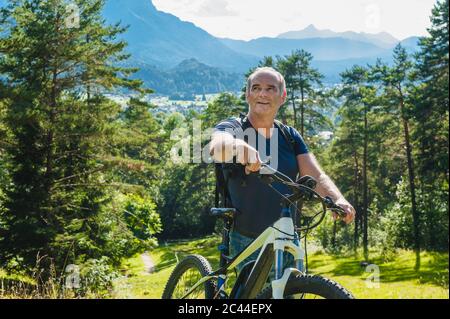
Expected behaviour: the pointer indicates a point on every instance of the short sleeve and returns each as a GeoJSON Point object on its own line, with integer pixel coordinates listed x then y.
{"type": "Point", "coordinates": [228, 125]}
{"type": "Point", "coordinates": [300, 145]}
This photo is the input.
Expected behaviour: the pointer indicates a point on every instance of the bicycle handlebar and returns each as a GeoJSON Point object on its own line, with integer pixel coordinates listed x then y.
{"type": "Point", "coordinates": [333, 207]}
{"type": "Point", "coordinates": [270, 172]}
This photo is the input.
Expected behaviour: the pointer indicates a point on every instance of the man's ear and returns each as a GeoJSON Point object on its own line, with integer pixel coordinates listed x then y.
{"type": "Point", "coordinates": [283, 96]}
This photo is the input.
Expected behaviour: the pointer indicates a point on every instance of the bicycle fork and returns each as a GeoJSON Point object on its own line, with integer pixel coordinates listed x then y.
{"type": "Point", "coordinates": [290, 243]}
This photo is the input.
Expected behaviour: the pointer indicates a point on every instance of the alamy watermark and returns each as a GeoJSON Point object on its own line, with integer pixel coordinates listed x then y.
{"type": "Point", "coordinates": [373, 280]}
{"type": "Point", "coordinates": [188, 144]}
{"type": "Point", "coordinates": [72, 20]}
{"type": "Point", "coordinates": [373, 16]}
{"type": "Point", "coordinates": [72, 277]}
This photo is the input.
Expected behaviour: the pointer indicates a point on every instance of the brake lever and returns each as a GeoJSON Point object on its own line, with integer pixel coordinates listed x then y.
{"type": "Point", "coordinates": [333, 207]}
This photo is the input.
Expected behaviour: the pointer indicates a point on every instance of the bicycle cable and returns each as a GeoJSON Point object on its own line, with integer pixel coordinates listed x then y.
{"type": "Point", "coordinates": [307, 229]}
{"type": "Point", "coordinates": [286, 198]}
{"type": "Point", "coordinates": [297, 210]}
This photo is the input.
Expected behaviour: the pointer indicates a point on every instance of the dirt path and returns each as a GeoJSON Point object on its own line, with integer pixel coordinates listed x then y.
{"type": "Point", "coordinates": [149, 265]}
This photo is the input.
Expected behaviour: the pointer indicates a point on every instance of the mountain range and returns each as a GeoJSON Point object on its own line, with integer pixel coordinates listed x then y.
{"type": "Point", "coordinates": [163, 40]}
{"type": "Point", "coordinates": [159, 43]}
{"type": "Point", "coordinates": [177, 56]}
{"type": "Point", "coordinates": [381, 39]}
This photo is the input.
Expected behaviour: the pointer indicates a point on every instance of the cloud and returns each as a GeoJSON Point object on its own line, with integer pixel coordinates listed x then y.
{"type": "Point", "coordinates": [215, 8]}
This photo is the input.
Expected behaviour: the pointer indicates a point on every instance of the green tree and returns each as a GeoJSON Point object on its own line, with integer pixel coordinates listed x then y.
{"type": "Point", "coordinates": [301, 81]}
{"type": "Point", "coordinates": [56, 70]}
{"type": "Point", "coordinates": [287, 67]}
{"type": "Point", "coordinates": [4, 181]}
{"type": "Point", "coordinates": [430, 112]}
{"type": "Point", "coordinates": [141, 217]}
{"type": "Point", "coordinates": [360, 98]}
{"type": "Point", "coordinates": [395, 81]}
{"type": "Point", "coordinates": [187, 189]}
{"type": "Point", "coordinates": [224, 106]}
{"type": "Point", "coordinates": [137, 147]}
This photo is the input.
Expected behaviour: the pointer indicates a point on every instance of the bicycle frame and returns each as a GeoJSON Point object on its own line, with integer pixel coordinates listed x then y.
{"type": "Point", "coordinates": [275, 240]}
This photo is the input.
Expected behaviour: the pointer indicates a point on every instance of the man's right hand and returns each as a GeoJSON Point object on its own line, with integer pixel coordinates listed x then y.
{"type": "Point", "coordinates": [248, 156]}
{"type": "Point", "coordinates": [224, 147]}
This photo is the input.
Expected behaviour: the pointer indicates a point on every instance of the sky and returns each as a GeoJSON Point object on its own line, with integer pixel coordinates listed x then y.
{"type": "Point", "coordinates": [250, 19]}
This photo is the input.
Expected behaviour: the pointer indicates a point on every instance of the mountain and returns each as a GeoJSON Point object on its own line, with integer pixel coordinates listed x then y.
{"type": "Point", "coordinates": [189, 77]}
{"type": "Point", "coordinates": [162, 39]}
{"type": "Point", "coordinates": [176, 56]}
{"type": "Point", "coordinates": [411, 44]}
{"type": "Point", "coordinates": [382, 39]}
{"type": "Point", "coordinates": [320, 48]}
{"type": "Point", "coordinates": [331, 69]}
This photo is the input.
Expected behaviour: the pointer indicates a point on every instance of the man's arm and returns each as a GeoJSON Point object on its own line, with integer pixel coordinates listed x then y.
{"type": "Point", "coordinates": [224, 147]}
{"type": "Point", "coordinates": [325, 187]}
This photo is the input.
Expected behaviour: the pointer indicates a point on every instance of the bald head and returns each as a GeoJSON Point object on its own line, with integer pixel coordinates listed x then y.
{"type": "Point", "coordinates": [269, 70]}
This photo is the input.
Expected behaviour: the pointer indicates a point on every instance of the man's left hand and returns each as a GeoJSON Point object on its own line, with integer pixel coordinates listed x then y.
{"type": "Point", "coordinates": [348, 209]}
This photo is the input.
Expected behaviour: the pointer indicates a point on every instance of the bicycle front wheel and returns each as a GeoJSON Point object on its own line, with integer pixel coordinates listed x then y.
{"type": "Point", "coordinates": [302, 286]}
{"type": "Point", "coordinates": [185, 275]}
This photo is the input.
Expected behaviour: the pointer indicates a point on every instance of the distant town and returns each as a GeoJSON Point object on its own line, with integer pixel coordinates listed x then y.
{"type": "Point", "coordinates": [197, 103]}
{"type": "Point", "coordinates": [170, 104]}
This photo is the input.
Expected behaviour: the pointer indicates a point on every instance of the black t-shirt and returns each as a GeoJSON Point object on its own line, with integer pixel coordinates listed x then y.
{"type": "Point", "coordinates": [259, 205]}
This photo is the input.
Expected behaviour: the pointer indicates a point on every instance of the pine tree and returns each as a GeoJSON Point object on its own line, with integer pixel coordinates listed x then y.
{"type": "Point", "coordinates": [430, 111]}
{"type": "Point", "coordinates": [301, 81]}
{"type": "Point", "coordinates": [360, 97]}
{"type": "Point", "coordinates": [396, 80]}
{"type": "Point", "coordinates": [57, 67]}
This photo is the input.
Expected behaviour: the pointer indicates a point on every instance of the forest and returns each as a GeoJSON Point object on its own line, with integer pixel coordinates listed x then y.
{"type": "Point", "coordinates": [86, 181]}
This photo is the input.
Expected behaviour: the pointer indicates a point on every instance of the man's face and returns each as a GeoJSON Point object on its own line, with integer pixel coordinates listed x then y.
{"type": "Point", "coordinates": [264, 96]}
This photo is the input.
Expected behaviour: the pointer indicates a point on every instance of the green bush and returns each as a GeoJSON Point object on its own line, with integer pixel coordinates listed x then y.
{"type": "Point", "coordinates": [127, 225]}
{"type": "Point", "coordinates": [96, 278]}
{"type": "Point", "coordinates": [141, 217]}
{"type": "Point", "coordinates": [341, 242]}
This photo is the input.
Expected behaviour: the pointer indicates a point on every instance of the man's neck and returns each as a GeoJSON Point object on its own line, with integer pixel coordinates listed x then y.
{"type": "Point", "coordinates": [263, 125]}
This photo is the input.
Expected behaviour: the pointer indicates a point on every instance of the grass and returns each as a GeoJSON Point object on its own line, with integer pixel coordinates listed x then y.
{"type": "Point", "coordinates": [139, 284]}
{"type": "Point", "coordinates": [21, 286]}
{"type": "Point", "coordinates": [397, 277]}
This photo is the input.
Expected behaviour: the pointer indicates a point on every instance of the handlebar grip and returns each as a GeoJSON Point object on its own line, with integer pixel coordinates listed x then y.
{"type": "Point", "coordinates": [333, 207]}
{"type": "Point", "coordinates": [339, 211]}
{"type": "Point", "coordinates": [264, 168]}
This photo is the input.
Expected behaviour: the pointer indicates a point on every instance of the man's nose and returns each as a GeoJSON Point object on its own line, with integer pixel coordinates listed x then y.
{"type": "Point", "coordinates": [263, 93]}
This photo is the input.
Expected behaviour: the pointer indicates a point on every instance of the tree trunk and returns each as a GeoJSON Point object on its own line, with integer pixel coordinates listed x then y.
{"type": "Point", "coordinates": [365, 186]}
{"type": "Point", "coordinates": [88, 86]}
{"type": "Point", "coordinates": [355, 200]}
{"type": "Point", "coordinates": [50, 133]}
{"type": "Point", "coordinates": [302, 113]}
{"type": "Point", "coordinates": [412, 186]}
{"type": "Point", "coordinates": [333, 239]}
{"type": "Point", "coordinates": [295, 109]}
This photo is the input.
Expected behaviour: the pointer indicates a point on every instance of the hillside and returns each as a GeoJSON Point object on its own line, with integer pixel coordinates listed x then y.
{"type": "Point", "coordinates": [162, 39]}
{"type": "Point", "coordinates": [189, 77]}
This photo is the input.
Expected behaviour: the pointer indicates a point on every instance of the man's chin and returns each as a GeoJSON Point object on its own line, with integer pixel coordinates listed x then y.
{"type": "Point", "coordinates": [263, 109]}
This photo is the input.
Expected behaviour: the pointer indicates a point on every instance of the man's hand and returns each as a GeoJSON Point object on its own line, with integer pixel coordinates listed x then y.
{"type": "Point", "coordinates": [248, 156]}
{"type": "Point", "coordinates": [348, 209]}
